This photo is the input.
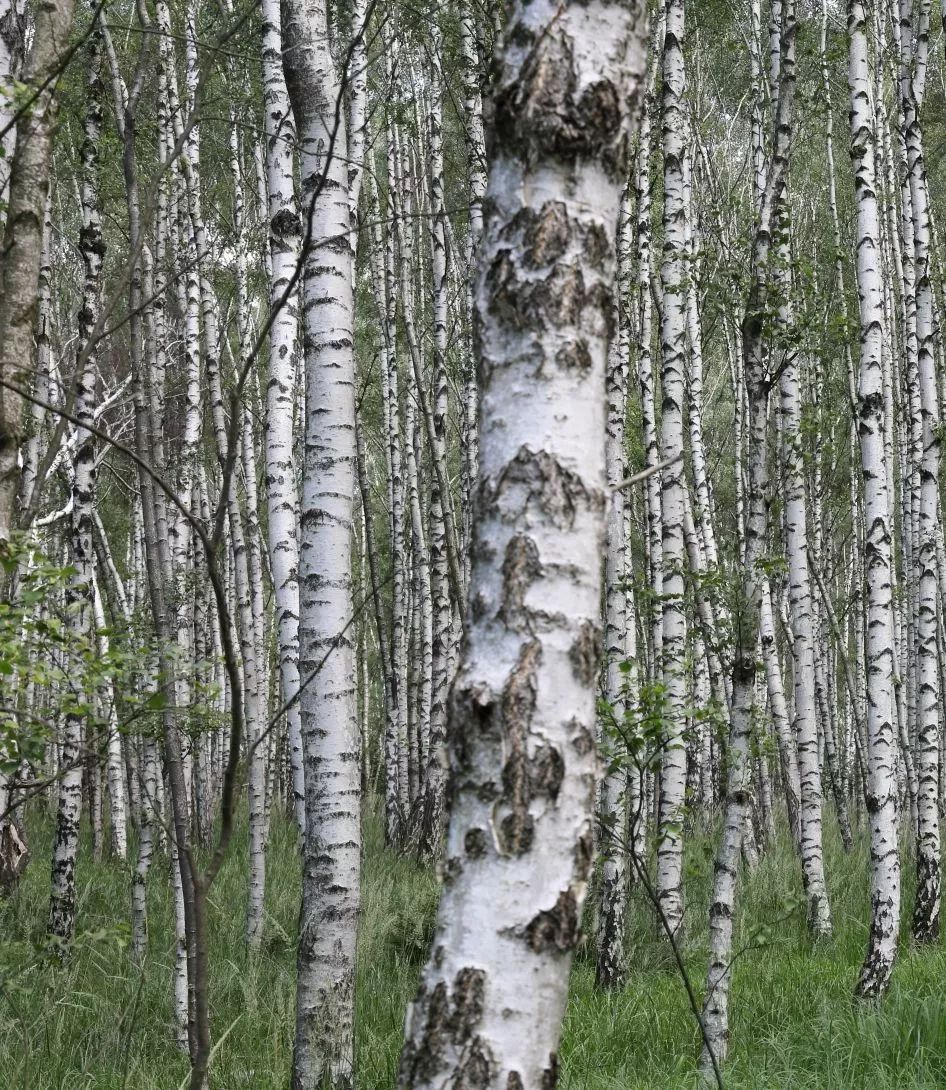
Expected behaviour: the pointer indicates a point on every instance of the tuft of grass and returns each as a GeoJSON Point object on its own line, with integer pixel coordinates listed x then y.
{"type": "Point", "coordinates": [98, 1022]}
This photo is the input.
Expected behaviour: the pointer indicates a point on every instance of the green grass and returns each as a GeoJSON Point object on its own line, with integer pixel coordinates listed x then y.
{"type": "Point", "coordinates": [99, 1022]}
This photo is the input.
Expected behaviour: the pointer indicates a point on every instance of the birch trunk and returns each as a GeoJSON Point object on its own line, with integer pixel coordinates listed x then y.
{"type": "Point", "coordinates": [285, 231]}
{"type": "Point", "coordinates": [12, 50]}
{"type": "Point", "coordinates": [79, 597]}
{"type": "Point", "coordinates": [882, 746]}
{"type": "Point", "coordinates": [323, 1053]}
{"type": "Point", "coordinates": [673, 279]}
{"type": "Point", "coordinates": [926, 914]}
{"type": "Point", "coordinates": [28, 187]}
{"type": "Point", "coordinates": [802, 631]}
{"type": "Point", "coordinates": [523, 749]}
{"type": "Point", "coordinates": [758, 385]}
{"type": "Point", "coordinates": [610, 967]}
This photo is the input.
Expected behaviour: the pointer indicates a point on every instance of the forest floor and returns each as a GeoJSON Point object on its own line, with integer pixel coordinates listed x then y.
{"type": "Point", "coordinates": [101, 1022]}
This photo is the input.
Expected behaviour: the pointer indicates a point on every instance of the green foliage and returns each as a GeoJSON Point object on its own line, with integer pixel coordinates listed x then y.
{"type": "Point", "coordinates": [42, 651]}
{"type": "Point", "coordinates": [100, 1022]}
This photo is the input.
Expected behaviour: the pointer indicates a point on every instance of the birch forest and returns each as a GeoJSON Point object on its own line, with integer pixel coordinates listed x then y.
{"type": "Point", "coordinates": [472, 568]}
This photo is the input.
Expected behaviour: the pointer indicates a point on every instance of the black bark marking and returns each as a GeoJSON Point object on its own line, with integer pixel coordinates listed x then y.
{"type": "Point", "coordinates": [285, 224]}
{"type": "Point", "coordinates": [550, 1074]}
{"type": "Point", "coordinates": [556, 928]}
{"type": "Point", "coordinates": [585, 652]}
{"type": "Point", "coordinates": [584, 855]}
{"type": "Point", "coordinates": [475, 842]}
{"type": "Point", "coordinates": [518, 706]}
{"type": "Point", "coordinates": [542, 115]}
{"type": "Point", "coordinates": [545, 234]}
{"type": "Point", "coordinates": [474, 716]}
{"type": "Point", "coordinates": [521, 567]}
{"type": "Point", "coordinates": [528, 304]}
{"type": "Point", "coordinates": [546, 772]}
{"type": "Point", "coordinates": [583, 741]}
{"type": "Point", "coordinates": [574, 356]}
{"type": "Point", "coordinates": [550, 490]}
{"type": "Point", "coordinates": [449, 1028]}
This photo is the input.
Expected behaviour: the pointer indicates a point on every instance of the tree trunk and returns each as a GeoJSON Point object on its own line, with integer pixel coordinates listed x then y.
{"type": "Point", "coordinates": [323, 1053]}
{"type": "Point", "coordinates": [523, 749]}
{"type": "Point", "coordinates": [881, 731]}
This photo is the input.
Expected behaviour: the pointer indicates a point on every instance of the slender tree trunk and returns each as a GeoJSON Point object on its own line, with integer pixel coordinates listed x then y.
{"type": "Point", "coordinates": [610, 967]}
{"type": "Point", "coordinates": [28, 187]}
{"type": "Point", "coordinates": [285, 230]}
{"type": "Point", "coordinates": [926, 914]}
{"type": "Point", "coordinates": [881, 731]}
{"type": "Point", "coordinates": [758, 385]}
{"type": "Point", "coordinates": [62, 909]}
{"type": "Point", "coordinates": [323, 1053]}
{"type": "Point", "coordinates": [673, 278]}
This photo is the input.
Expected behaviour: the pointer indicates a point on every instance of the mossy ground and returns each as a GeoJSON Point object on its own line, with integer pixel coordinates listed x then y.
{"type": "Point", "coordinates": [101, 1022]}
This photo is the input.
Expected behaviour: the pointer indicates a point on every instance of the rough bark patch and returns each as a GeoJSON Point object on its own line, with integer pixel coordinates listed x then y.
{"type": "Point", "coordinates": [451, 1021]}
{"type": "Point", "coordinates": [585, 652]}
{"type": "Point", "coordinates": [550, 490]}
{"type": "Point", "coordinates": [542, 114]}
{"type": "Point", "coordinates": [518, 706]}
{"type": "Point", "coordinates": [556, 928]}
{"type": "Point", "coordinates": [521, 566]}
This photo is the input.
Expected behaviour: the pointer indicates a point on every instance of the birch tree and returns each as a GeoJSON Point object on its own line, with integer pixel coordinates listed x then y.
{"type": "Point", "coordinates": [881, 731]}
{"type": "Point", "coordinates": [331, 866]}
{"type": "Point", "coordinates": [523, 749]}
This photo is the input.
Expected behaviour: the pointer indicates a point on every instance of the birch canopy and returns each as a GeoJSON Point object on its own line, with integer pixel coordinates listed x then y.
{"type": "Point", "coordinates": [472, 562]}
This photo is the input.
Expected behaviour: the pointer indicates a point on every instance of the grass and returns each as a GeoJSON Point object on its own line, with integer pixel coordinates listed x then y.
{"type": "Point", "coordinates": [100, 1022]}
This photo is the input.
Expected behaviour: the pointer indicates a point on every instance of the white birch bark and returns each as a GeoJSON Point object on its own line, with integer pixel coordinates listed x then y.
{"type": "Point", "coordinates": [926, 914]}
{"type": "Point", "coordinates": [645, 365]}
{"type": "Point", "coordinates": [323, 1052]}
{"type": "Point", "coordinates": [673, 278]}
{"type": "Point", "coordinates": [444, 656]}
{"type": "Point", "coordinates": [62, 906]}
{"type": "Point", "coordinates": [523, 748]}
{"type": "Point", "coordinates": [735, 835]}
{"type": "Point", "coordinates": [609, 965]}
{"type": "Point", "coordinates": [802, 627]}
{"type": "Point", "coordinates": [28, 186]}
{"type": "Point", "coordinates": [115, 762]}
{"type": "Point", "coordinates": [882, 751]}
{"type": "Point", "coordinates": [778, 709]}
{"type": "Point", "coordinates": [12, 50]}
{"type": "Point", "coordinates": [285, 231]}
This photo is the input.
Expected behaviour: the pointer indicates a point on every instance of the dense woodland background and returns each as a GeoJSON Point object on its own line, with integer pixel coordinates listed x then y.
{"type": "Point", "coordinates": [443, 447]}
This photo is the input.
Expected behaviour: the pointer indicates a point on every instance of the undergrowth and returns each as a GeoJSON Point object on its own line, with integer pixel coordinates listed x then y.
{"type": "Point", "coordinates": [99, 1022]}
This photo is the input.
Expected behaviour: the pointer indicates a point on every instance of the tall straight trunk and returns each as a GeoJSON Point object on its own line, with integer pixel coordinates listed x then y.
{"type": "Point", "coordinates": [12, 50]}
{"type": "Point", "coordinates": [926, 914]}
{"type": "Point", "coordinates": [323, 1053]}
{"type": "Point", "coordinates": [79, 597]}
{"type": "Point", "coordinates": [523, 749]}
{"type": "Point", "coordinates": [22, 246]}
{"type": "Point", "coordinates": [758, 385]}
{"type": "Point", "coordinates": [673, 278]}
{"type": "Point", "coordinates": [444, 656]}
{"type": "Point", "coordinates": [609, 966]}
{"type": "Point", "coordinates": [285, 230]}
{"type": "Point", "coordinates": [476, 174]}
{"type": "Point", "coordinates": [645, 362]}
{"type": "Point", "coordinates": [872, 423]}
{"type": "Point", "coordinates": [114, 762]}
{"type": "Point", "coordinates": [802, 619]}
{"type": "Point", "coordinates": [778, 709]}
{"type": "Point", "coordinates": [385, 285]}
{"type": "Point", "coordinates": [251, 622]}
